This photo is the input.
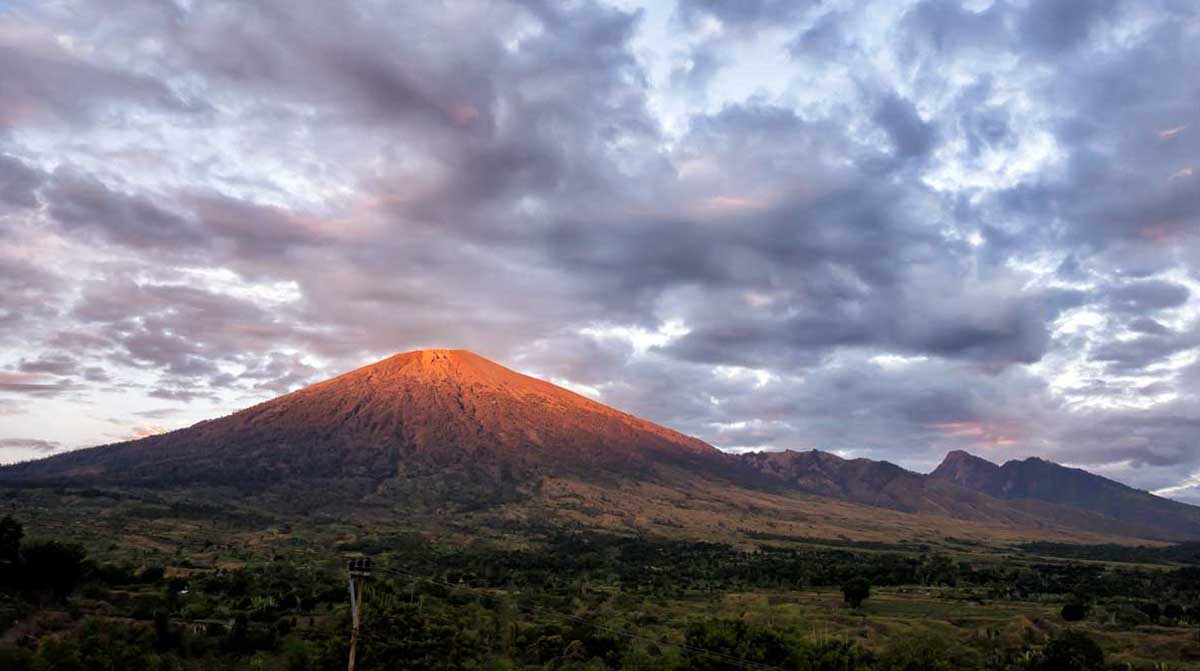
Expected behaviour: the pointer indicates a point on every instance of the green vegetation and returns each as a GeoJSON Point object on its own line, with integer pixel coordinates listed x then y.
{"type": "Point", "coordinates": [569, 601]}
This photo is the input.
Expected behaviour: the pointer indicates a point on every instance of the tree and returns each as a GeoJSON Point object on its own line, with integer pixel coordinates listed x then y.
{"type": "Point", "coordinates": [856, 591]}
{"type": "Point", "coordinates": [11, 533]}
{"type": "Point", "coordinates": [1072, 651]}
{"type": "Point", "coordinates": [162, 630]}
{"type": "Point", "coordinates": [53, 567]}
{"type": "Point", "coordinates": [1074, 612]}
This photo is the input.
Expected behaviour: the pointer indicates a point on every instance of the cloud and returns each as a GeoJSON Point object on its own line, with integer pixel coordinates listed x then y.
{"type": "Point", "coordinates": [1144, 350]}
{"type": "Point", "coordinates": [1147, 296]}
{"type": "Point", "coordinates": [30, 444]}
{"type": "Point", "coordinates": [78, 201]}
{"type": "Point", "coordinates": [52, 364]}
{"type": "Point", "coordinates": [911, 136]}
{"type": "Point", "coordinates": [1056, 25]}
{"type": "Point", "coordinates": [743, 14]}
{"type": "Point", "coordinates": [47, 82]}
{"type": "Point", "coordinates": [33, 384]}
{"type": "Point", "coordinates": [18, 183]}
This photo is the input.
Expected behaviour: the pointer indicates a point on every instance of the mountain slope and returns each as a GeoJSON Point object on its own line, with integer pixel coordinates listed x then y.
{"type": "Point", "coordinates": [1036, 479]}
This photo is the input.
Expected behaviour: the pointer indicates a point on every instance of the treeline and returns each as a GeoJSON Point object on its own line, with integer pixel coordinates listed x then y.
{"type": "Point", "coordinates": [1179, 553]}
{"type": "Point", "coordinates": [667, 568]}
{"type": "Point", "coordinates": [577, 603]}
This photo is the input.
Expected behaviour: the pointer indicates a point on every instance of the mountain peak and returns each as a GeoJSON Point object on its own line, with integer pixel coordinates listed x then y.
{"type": "Point", "coordinates": [432, 356]}
{"type": "Point", "coordinates": [966, 470]}
{"type": "Point", "coordinates": [954, 456]}
{"type": "Point", "coordinates": [415, 362]}
{"type": "Point", "coordinates": [466, 370]}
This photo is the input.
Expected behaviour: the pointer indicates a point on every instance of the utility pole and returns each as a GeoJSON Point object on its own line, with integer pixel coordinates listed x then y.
{"type": "Point", "coordinates": [360, 570]}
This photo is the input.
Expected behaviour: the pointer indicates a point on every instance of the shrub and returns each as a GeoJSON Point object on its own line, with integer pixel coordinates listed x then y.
{"type": "Point", "coordinates": [928, 652]}
{"type": "Point", "coordinates": [1072, 651]}
{"type": "Point", "coordinates": [727, 640]}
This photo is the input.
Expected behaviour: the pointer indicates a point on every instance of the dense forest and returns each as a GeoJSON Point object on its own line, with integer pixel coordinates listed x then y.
{"type": "Point", "coordinates": [577, 601]}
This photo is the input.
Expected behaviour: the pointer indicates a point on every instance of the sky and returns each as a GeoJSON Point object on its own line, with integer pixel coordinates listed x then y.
{"type": "Point", "coordinates": [885, 229]}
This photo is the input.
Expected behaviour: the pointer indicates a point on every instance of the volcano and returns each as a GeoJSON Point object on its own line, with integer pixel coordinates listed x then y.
{"type": "Point", "coordinates": [427, 411]}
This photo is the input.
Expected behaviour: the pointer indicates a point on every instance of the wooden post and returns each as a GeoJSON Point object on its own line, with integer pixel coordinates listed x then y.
{"type": "Point", "coordinates": [360, 570]}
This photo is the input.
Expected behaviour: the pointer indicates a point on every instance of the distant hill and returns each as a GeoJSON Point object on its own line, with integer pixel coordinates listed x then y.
{"type": "Point", "coordinates": [434, 431]}
{"type": "Point", "coordinates": [1040, 480]}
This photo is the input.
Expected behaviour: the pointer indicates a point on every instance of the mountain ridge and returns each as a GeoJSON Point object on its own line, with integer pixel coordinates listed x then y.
{"type": "Point", "coordinates": [1034, 478]}
{"type": "Point", "coordinates": [438, 428]}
